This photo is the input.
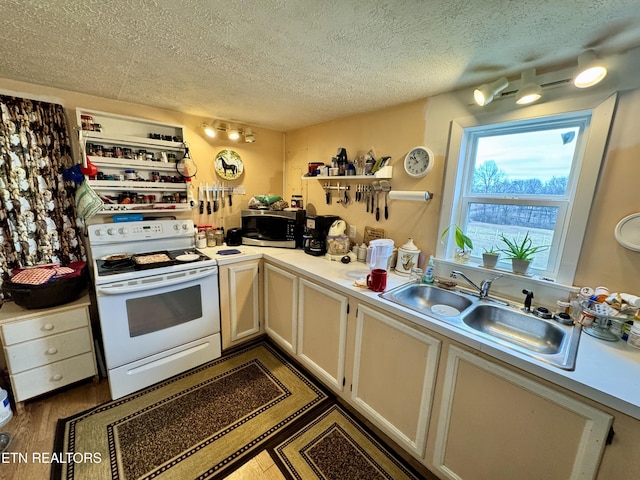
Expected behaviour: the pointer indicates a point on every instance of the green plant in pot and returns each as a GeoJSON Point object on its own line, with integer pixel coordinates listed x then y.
{"type": "Point", "coordinates": [490, 256]}
{"type": "Point", "coordinates": [520, 252]}
{"type": "Point", "coordinates": [464, 245]}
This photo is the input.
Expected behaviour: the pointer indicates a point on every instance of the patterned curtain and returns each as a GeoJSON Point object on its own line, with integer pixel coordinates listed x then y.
{"type": "Point", "coordinates": [37, 207]}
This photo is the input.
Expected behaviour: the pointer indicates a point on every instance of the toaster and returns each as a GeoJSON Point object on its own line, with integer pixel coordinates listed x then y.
{"type": "Point", "coordinates": [234, 237]}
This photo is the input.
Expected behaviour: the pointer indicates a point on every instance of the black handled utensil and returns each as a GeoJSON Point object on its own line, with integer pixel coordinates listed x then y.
{"type": "Point", "coordinates": [385, 186]}
{"type": "Point", "coordinates": [208, 199]}
{"type": "Point", "coordinates": [201, 198]}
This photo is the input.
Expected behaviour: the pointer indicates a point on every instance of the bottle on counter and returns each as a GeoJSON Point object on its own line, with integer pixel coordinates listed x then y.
{"type": "Point", "coordinates": [428, 275]}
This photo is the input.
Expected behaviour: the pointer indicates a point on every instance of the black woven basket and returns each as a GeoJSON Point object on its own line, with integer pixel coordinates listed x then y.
{"type": "Point", "coordinates": [50, 294]}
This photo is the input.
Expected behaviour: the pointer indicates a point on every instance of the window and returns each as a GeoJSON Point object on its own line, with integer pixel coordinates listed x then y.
{"type": "Point", "coordinates": [518, 176]}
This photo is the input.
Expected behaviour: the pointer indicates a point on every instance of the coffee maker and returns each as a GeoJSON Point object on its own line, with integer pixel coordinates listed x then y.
{"type": "Point", "coordinates": [316, 228]}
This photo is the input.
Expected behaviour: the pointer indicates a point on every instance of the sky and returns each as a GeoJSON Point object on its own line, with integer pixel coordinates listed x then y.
{"type": "Point", "coordinates": [536, 154]}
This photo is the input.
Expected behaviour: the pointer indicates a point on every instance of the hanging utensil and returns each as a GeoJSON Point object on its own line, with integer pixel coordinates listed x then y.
{"type": "Point", "coordinates": [216, 205]}
{"type": "Point", "coordinates": [385, 186]}
{"type": "Point", "coordinates": [206, 188]}
{"type": "Point", "coordinates": [230, 195]}
{"type": "Point", "coordinates": [201, 198]}
{"type": "Point", "coordinates": [223, 188]}
{"type": "Point", "coordinates": [376, 189]}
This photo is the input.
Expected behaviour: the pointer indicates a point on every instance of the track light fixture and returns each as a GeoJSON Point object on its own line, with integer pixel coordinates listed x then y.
{"type": "Point", "coordinates": [249, 137]}
{"type": "Point", "coordinates": [484, 94]}
{"type": "Point", "coordinates": [209, 130]}
{"type": "Point", "coordinates": [591, 70]}
{"type": "Point", "coordinates": [529, 91]}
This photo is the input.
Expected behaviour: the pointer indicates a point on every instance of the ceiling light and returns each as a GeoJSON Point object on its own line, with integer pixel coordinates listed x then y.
{"type": "Point", "coordinates": [249, 137]}
{"type": "Point", "coordinates": [209, 130]}
{"type": "Point", "coordinates": [529, 91]}
{"type": "Point", "coordinates": [233, 134]}
{"type": "Point", "coordinates": [485, 93]}
{"type": "Point", "coordinates": [591, 70]}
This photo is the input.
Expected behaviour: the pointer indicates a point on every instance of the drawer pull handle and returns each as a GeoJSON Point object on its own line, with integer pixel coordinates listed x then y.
{"type": "Point", "coordinates": [56, 377]}
{"type": "Point", "coordinates": [52, 351]}
{"type": "Point", "coordinates": [48, 326]}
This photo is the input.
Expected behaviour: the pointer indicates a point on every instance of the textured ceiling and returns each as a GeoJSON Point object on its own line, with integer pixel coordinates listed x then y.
{"type": "Point", "coordinates": [285, 64]}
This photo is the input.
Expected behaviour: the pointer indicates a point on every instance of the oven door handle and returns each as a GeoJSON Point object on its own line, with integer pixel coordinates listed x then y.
{"type": "Point", "coordinates": [106, 290]}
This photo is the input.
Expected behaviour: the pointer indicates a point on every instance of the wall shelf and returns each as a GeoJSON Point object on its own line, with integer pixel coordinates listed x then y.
{"type": "Point", "coordinates": [383, 173]}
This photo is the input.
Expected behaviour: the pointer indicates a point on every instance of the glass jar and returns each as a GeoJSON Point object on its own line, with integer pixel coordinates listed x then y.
{"type": "Point", "coordinates": [211, 237]}
{"type": "Point", "coordinates": [219, 237]}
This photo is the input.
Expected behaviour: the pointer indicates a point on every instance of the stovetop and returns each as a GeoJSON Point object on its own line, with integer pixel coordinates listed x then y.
{"type": "Point", "coordinates": [105, 268]}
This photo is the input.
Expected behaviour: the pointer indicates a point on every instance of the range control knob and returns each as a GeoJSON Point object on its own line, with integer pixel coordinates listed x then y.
{"type": "Point", "coordinates": [175, 227]}
{"type": "Point", "coordinates": [184, 226]}
{"type": "Point", "coordinates": [98, 232]}
{"type": "Point", "coordinates": [123, 231]}
{"type": "Point", "coordinates": [111, 231]}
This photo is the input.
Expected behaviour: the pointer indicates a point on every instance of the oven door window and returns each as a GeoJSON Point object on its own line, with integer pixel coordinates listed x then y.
{"type": "Point", "coordinates": [157, 312]}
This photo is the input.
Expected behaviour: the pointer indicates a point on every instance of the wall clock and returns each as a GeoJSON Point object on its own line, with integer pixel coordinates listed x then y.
{"type": "Point", "coordinates": [228, 164]}
{"type": "Point", "coordinates": [418, 162]}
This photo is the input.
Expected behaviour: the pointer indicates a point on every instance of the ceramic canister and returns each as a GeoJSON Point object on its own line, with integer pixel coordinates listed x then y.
{"type": "Point", "coordinates": [408, 256]}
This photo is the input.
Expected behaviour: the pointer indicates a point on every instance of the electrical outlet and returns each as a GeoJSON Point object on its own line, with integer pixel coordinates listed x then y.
{"type": "Point", "coordinates": [352, 231]}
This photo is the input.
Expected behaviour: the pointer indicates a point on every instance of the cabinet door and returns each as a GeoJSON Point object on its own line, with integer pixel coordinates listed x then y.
{"type": "Point", "coordinates": [394, 374]}
{"type": "Point", "coordinates": [322, 332]}
{"type": "Point", "coordinates": [281, 306]}
{"type": "Point", "coordinates": [497, 424]}
{"type": "Point", "coordinates": [240, 302]}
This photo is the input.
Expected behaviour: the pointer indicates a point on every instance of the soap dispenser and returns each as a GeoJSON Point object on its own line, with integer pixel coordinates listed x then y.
{"type": "Point", "coordinates": [407, 258]}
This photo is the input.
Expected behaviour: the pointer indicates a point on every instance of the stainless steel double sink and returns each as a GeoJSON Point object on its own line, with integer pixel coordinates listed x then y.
{"type": "Point", "coordinates": [502, 326]}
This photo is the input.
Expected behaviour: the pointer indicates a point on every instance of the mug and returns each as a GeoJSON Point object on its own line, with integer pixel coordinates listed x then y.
{"type": "Point", "coordinates": [377, 280]}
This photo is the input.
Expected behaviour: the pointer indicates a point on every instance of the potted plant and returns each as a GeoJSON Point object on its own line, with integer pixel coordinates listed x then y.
{"type": "Point", "coordinates": [490, 257]}
{"type": "Point", "coordinates": [464, 245]}
{"type": "Point", "coordinates": [520, 252]}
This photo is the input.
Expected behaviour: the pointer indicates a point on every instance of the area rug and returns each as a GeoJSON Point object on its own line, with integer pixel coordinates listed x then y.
{"type": "Point", "coordinates": [335, 447]}
{"type": "Point", "coordinates": [194, 425]}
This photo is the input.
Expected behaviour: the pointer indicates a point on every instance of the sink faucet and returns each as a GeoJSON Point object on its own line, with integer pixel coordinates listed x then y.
{"type": "Point", "coordinates": [485, 285]}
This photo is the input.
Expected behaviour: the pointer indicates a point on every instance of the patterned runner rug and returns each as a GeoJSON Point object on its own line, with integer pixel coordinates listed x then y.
{"type": "Point", "coordinates": [335, 447]}
{"type": "Point", "coordinates": [194, 425]}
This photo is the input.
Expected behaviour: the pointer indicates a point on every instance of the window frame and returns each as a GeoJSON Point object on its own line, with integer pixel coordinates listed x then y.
{"type": "Point", "coordinates": [570, 235]}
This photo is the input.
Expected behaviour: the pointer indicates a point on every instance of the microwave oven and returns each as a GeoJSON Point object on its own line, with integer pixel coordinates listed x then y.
{"type": "Point", "coordinates": [273, 228]}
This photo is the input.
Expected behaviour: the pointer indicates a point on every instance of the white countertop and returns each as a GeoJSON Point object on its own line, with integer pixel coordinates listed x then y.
{"type": "Point", "coordinates": [606, 372]}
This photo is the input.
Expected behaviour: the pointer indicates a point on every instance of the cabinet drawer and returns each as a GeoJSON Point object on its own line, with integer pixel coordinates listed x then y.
{"type": "Point", "coordinates": [35, 353]}
{"type": "Point", "coordinates": [44, 325]}
{"type": "Point", "coordinates": [55, 375]}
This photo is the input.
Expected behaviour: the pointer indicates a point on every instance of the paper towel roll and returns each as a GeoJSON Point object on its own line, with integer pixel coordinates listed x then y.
{"type": "Point", "coordinates": [408, 195]}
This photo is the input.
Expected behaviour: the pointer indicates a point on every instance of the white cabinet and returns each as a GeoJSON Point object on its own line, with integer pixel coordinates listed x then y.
{"type": "Point", "coordinates": [495, 423]}
{"type": "Point", "coordinates": [394, 376]}
{"type": "Point", "coordinates": [322, 332]}
{"type": "Point", "coordinates": [124, 144]}
{"type": "Point", "coordinates": [46, 349]}
{"type": "Point", "coordinates": [240, 302]}
{"type": "Point", "coordinates": [309, 321]}
{"type": "Point", "coordinates": [281, 306]}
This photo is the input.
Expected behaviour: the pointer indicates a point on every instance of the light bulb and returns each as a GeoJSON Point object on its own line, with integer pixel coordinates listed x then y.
{"type": "Point", "coordinates": [209, 130]}
{"type": "Point", "coordinates": [484, 94]}
{"type": "Point", "coordinates": [529, 91]}
{"type": "Point", "coordinates": [590, 70]}
{"type": "Point", "coordinates": [234, 134]}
